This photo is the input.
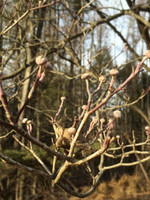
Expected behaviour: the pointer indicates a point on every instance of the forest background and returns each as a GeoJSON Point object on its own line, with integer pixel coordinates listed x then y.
{"type": "Point", "coordinates": [80, 38]}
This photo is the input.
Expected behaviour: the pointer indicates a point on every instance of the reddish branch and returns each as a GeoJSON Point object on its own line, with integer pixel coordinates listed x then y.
{"type": "Point", "coordinates": [132, 76]}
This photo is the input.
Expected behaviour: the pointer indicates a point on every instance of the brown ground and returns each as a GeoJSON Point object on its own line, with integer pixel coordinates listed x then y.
{"type": "Point", "coordinates": [133, 187]}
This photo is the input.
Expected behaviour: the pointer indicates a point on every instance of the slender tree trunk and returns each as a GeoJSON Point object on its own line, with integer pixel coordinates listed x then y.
{"type": "Point", "coordinates": [30, 53]}
{"type": "Point", "coordinates": [19, 185]}
{"type": "Point", "coordinates": [0, 49]}
{"type": "Point", "coordinates": [34, 184]}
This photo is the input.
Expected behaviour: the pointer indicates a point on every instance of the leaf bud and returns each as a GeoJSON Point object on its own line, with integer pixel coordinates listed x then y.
{"type": "Point", "coordinates": [94, 119]}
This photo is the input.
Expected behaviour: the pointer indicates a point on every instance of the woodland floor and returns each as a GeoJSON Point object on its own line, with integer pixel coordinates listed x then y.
{"type": "Point", "coordinates": [128, 187]}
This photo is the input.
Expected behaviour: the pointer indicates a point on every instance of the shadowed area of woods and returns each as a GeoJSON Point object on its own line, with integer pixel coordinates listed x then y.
{"type": "Point", "coordinates": [128, 187]}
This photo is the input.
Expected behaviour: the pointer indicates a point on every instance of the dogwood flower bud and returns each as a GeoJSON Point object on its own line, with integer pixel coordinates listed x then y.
{"type": "Point", "coordinates": [147, 128]}
{"type": "Point", "coordinates": [113, 72]}
{"type": "Point", "coordinates": [102, 79]}
{"type": "Point", "coordinates": [41, 60]}
{"type": "Point", "coordinates": [147, 53]}
{"type": "Point", "coordinates": [110, 121]}
{"type": "Point", "coordinates": [24, 121]}
{"type": "Point", "coordinates": [71, 130]}
{"type": "Point", "coordinates": [102, 120]}
{"type": "Point", "coordinates": [84, 107]}
{"type": "Point", "coordinates": [117, 114]}
{"type": "Point", "coordinates": [85, 76]}
{"type": "Point", "coordinates": [63, 98]}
